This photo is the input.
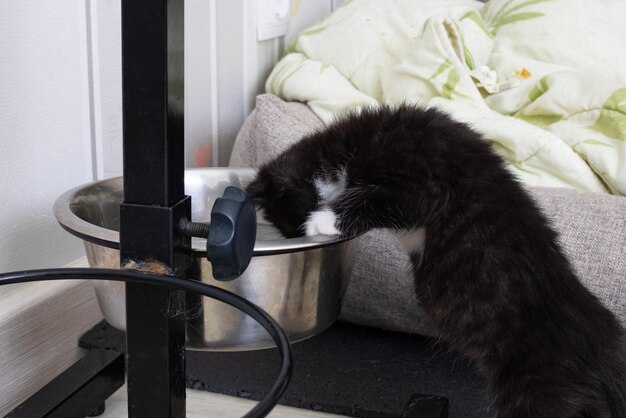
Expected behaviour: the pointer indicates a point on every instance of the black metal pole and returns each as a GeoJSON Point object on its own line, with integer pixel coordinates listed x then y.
{"type": "Point", "coordinates": [154, 203]}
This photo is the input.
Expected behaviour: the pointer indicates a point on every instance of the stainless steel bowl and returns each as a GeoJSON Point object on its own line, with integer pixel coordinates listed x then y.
{"type": "Point", "coordinates": [298, 281]}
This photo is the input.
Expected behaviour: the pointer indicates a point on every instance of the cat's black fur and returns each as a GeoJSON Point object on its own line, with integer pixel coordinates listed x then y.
{"type": "Point", "coordinates": [491, 276]}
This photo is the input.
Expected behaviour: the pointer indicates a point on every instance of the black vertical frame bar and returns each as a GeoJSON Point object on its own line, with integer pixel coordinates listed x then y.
{"type": "Point", "coordinates": [154, 202]}
{"type": "Point", "coordinates": [153, 99]}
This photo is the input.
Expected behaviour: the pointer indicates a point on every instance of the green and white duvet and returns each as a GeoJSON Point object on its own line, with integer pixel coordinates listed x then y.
{"type": "Point", "coordinates": [545, 80]}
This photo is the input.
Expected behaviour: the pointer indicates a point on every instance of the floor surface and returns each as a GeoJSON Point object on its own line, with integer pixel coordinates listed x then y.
{"type": "Point", "coordinates": [205, 404]}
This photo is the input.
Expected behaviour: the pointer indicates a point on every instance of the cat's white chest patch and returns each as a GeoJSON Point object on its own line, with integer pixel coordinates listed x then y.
{"type": "Point", "coordinates": [412, 241]}
{"type": "Point", "coordinates": [321, 222]}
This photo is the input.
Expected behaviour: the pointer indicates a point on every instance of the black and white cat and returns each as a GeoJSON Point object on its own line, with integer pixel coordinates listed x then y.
{"type": "Point", "coordinates": [488, 269]}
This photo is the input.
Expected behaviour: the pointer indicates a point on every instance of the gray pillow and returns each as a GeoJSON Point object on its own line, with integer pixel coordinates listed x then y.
{"type": "Point", "coordinates": [271, 127]}
{"type": "Point", "coordinates": [592, 230]}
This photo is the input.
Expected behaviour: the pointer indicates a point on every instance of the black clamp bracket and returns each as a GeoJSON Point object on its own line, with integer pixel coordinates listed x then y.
{"type": "Point", "coordinates": [230, 235]}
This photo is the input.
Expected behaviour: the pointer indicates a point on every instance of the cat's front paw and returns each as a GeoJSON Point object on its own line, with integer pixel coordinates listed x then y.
{"type": "Point", "coordinates": [321, 222]}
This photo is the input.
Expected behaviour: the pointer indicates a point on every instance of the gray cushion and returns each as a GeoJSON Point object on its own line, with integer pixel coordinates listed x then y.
{"type": "Point", "coordinates": [272, 127]}
{"type": "Point", "coordinates": [592, 230]}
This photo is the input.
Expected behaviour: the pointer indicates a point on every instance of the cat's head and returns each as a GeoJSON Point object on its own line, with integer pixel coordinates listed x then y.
{"type": "Point", "coordinates": [286, 199]}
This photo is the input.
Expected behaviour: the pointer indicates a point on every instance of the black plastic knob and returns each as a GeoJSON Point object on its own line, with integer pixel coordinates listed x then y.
{"type": "Point", "coordinates": [232, 234]}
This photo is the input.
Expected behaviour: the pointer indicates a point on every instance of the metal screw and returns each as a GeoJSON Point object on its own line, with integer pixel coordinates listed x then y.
{"type": "Point", "coordinates": [194, 229]}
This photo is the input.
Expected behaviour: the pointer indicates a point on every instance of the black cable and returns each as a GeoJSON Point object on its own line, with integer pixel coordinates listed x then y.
{"type": "Point", "coordinates": [266, 404]}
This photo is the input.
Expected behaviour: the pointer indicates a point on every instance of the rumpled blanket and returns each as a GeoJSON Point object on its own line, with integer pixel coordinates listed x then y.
{"type": "Point", "coordinates": [545, 80]}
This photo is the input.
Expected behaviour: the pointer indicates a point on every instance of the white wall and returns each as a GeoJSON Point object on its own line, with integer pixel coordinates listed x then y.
{"type": "Point", "coordinates": [104, 42]}
{"type": "Point", "coordinates": [45, 128]}
{"type": "Point", "coordinates": [225, 68]}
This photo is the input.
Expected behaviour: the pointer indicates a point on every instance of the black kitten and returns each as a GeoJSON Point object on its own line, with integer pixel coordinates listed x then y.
{"type": "Point", "coordinates": [488, 269]}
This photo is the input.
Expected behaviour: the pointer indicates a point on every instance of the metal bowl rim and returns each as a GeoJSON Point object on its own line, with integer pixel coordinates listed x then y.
{"type": "Point", "coordinates": [110, 238]}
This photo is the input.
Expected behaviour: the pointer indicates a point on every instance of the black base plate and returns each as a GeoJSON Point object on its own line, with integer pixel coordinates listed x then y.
{"type": "Point", "coordinates": [348, 369]}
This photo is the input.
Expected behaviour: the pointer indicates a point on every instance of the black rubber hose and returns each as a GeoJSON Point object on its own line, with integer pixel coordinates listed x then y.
{"type": "Point", "coordinates": [266, 404]}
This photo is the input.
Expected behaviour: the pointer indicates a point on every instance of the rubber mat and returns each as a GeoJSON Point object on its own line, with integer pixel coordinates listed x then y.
{"type": "Point", "coordinates": [348, 369]}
